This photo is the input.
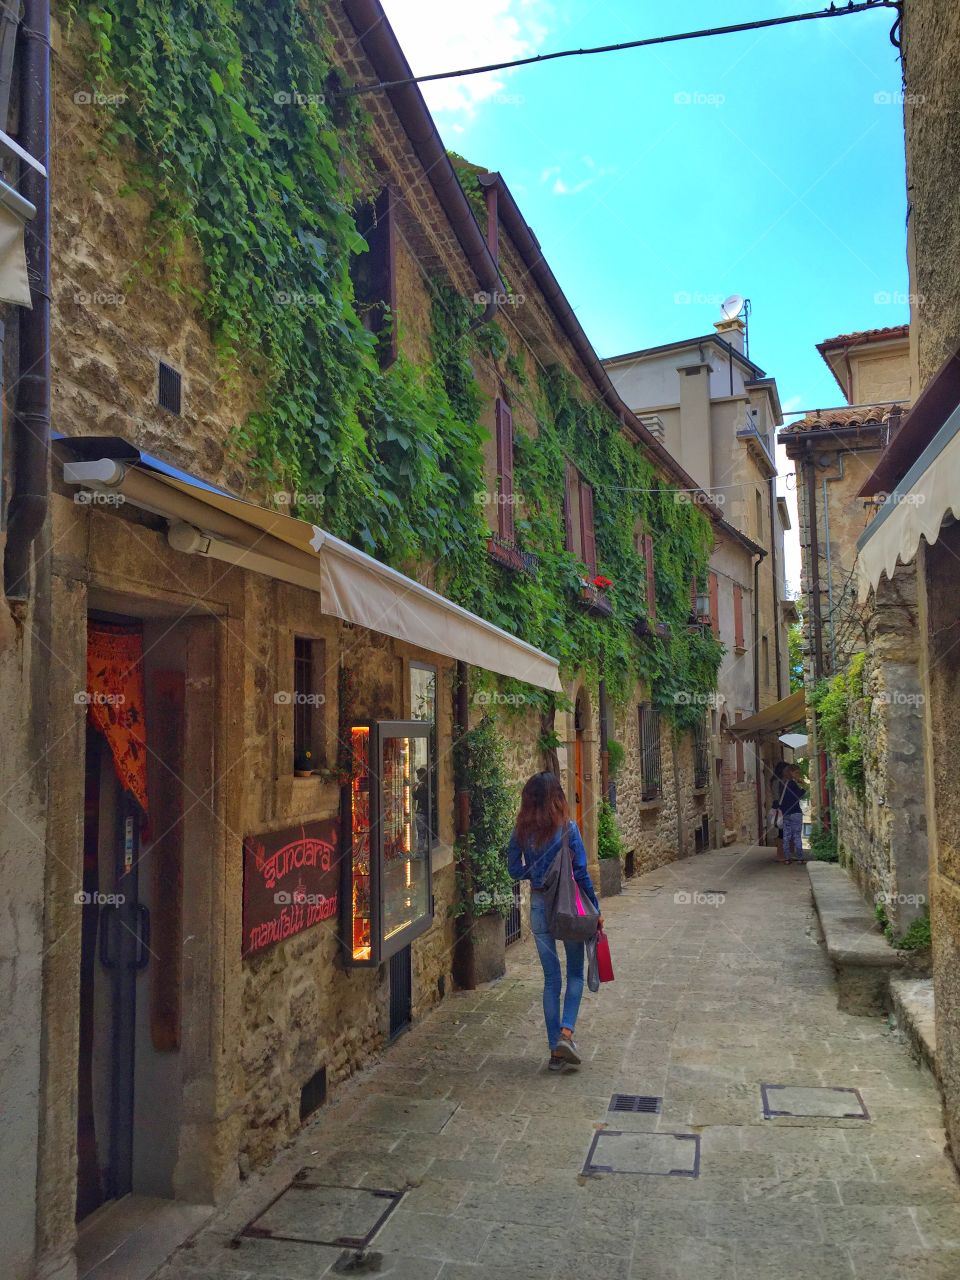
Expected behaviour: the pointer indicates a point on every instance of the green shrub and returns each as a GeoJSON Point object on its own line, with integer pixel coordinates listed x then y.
{"type": "Point", "coordinates": [823, 845]}
{"type": "Point", "coordinates": [609, 839]}
{"type": "Point", "coordinates": [615, 757]}
{"type": "Point", "coordinates": [481, 769]}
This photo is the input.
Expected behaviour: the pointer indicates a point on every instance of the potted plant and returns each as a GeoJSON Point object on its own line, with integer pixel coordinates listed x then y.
{"type": "Point", "coordinates": [485, 886]}
{"type": "Point", "coordinates": [303, 763]}
{"type": "Point", "coordinates": [609, 851]}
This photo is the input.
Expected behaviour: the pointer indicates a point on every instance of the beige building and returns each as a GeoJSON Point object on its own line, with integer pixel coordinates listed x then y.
{"type": "Point", "coordinates": [716, 411]}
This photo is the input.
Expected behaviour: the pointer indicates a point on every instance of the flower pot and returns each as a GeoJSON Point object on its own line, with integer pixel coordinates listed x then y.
{"type": "Point", "coordinates": [489, 939]}
{"type": "Point", "coordinates": [611, 877]}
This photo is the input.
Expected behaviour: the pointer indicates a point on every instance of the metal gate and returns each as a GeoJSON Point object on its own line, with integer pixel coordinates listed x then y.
{"type": "Point", "coordinates": [512, 922]}
{"type": "Point", "coordinates": [401, 991]}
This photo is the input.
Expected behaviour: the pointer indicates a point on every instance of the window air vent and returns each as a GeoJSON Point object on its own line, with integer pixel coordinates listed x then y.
{"type": "Point", "coordinates": [169, 385]}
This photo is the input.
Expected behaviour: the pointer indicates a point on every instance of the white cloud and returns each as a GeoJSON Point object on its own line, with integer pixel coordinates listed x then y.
{"type": "Point", "coordinates": [587, 173]}
{"type": "Point", "coordinates": [441, 35]}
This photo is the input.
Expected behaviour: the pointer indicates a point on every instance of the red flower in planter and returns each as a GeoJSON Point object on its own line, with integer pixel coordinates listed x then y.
{"type": "Point", "coordinates": [602, 583]}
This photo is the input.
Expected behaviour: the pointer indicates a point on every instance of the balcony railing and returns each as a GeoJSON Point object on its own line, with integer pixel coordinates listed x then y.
{"type": "Point", "coordinates": [509, 556]}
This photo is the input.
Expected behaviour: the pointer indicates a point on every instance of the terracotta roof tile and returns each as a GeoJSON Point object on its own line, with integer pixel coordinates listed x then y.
{"type": "Point", "coordinates": [834, 419]}
{"type": "Point", "coordinates": [864, 335]}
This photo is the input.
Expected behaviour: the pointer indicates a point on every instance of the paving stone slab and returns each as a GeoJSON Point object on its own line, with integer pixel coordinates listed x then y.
{"type": "Point", "coordinates": [658, 1154]}
{"type": "Point", "coordinates": [834, 1101]}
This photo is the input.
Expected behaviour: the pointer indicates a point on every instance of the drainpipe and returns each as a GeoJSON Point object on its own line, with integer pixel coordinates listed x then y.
{"type": "Point", "coordinates": [31, 470]}
{"type": "Point", "coordinates": [464, 960]}
{"type": "Point", "coordinates": [608, 789]}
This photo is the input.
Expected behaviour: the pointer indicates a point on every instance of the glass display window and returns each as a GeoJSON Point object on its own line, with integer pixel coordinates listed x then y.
{"type": "Point", "coordinates": [389, 898]}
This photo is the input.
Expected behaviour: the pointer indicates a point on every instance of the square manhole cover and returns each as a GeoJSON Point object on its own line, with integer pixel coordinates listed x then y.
{"type": "Point", "coordinates": [665, 1155]}
{"type": "Point", "coordinates": [318, 1213]}
{"type": "Point", "coordinates": [813, 1100]}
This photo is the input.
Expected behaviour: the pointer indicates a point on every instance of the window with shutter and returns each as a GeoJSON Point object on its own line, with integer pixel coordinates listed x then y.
{"type": "Point", "coordinates": [505, 505]}
{"type": "Point", "coordinates": [651, 577]}
{"type": "Point", "coordinates": [588, 541]}
{"type": "Point", "coordinates": [714, 604]}
{"type": "Point", "coordinates": [738, 617]}
{"type": "Point", "coordinates": [571, 504]}
{"type": "Point", "coordinates": [374, 276]}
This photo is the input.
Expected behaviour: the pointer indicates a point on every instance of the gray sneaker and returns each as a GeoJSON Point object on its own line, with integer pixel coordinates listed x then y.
{"type": "Point", "coordinates": [557, 1064]}
{"type": "Point", "coordinates": [567, 1050]}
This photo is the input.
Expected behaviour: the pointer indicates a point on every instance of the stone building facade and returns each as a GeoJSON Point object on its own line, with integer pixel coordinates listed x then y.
{"type": "Point", "coordinates": [240, 1047]}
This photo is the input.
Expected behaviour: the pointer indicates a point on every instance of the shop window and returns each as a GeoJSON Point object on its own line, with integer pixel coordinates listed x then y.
{"type": "Point", "coordinates": [504, 433]}
{"type": "Point", "coordinates": [423, 706]}
{"type": "Point", "coordinates": [387, 898]}
{"type": "Point", "coordinates": [374, 273]}
{"type": "Point", "coordinates": [651, 781]}
{"type": "Point", "coordinates": [578, 518]}
{"type": "Point", "coordinates": [308, 703]}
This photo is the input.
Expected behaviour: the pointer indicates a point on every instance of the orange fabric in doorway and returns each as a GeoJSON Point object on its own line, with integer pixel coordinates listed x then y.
{"type": "Point", "coordinates": [115, 701]}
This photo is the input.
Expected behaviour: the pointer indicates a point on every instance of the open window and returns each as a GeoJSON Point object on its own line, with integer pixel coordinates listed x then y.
{"type": "Point", "coordinates": [387, 892]}
{"type": "Point", "coordinates": [374, 273]}
{"type": "Point", "coordinates": [578, 518]}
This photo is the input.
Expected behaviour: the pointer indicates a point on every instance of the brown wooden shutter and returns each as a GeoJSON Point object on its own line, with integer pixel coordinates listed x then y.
{"type": "Point", "coordinates": [738, 615]}
{"type": "Point", "coordinates": [586, 527]}
{"type": "Point", "coordinates": [571, 486]}
{"type": "Point", "coordinates": [651, 577]}
{"type": "Point", "coordinates": [505, 520]}
{"type": "Point", "coordinates": [714, 604]}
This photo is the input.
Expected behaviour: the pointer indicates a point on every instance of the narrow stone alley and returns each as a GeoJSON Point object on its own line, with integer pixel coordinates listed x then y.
{"type": "Point", "coordinates": [721, 989]}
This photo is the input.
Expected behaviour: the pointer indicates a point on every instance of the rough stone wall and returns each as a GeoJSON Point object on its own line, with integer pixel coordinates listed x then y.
{"type": "Point", "coordinates": [884, 837]}
{"type": "Point", "coordinates": [661, 830]}
{"type": "Point", "coordinates": [931, 50]}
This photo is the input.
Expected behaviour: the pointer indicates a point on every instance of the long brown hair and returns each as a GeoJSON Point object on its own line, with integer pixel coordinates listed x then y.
{"type": "Point", "coordinates": [543, 808]}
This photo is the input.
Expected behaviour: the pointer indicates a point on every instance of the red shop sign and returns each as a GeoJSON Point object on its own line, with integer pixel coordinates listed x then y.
{"type": "Point", "coordinates": [291, 881]}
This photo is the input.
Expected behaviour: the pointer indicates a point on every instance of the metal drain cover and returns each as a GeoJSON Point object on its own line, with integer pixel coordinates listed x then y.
{"type": "Point", "coordinates": [813, 1100]}
{"type": "Point", "coordinates": [635, 1102]}
{"type": "Point", "coordinates": [315, 1212]}
{"type": "Point", "coordinates": [664, 1155]}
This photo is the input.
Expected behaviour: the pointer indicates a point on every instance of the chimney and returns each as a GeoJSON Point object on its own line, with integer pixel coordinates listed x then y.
{"type": "Point", "coordinates": [732, 331]}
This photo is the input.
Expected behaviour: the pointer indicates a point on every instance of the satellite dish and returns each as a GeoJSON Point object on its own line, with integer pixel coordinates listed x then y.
{"type": "Point", "coordinates": [732, 306]}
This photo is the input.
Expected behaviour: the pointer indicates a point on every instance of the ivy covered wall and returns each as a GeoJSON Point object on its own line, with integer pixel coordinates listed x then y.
{"type": "Point", "coordinates": [231, 119]}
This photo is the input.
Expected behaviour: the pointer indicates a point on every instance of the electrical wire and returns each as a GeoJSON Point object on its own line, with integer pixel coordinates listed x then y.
{"type": "Point", "coordinates": [833, 12]}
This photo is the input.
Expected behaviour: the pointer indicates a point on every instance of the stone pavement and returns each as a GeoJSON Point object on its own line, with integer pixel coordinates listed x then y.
{"type": "Point", "coordinates": [714, 996]}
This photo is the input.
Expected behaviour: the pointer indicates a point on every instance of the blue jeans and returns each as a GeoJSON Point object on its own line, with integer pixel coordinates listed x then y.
{"type": "Point", "coordinates": [793, 835]}
{"type": "Point", "coordinates": [547, 951]}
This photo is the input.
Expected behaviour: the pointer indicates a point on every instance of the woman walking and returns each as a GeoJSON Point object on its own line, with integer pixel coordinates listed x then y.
{"type": "Point", "coordinates": [537, 839]}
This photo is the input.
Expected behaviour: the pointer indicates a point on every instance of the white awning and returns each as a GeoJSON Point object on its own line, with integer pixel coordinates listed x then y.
{"type": "Point", "coordinates": [927, 496]}
{"type": "Point", "coordinates": [352, 585]}
{"type": "Point", "coordinates": [779, 715]}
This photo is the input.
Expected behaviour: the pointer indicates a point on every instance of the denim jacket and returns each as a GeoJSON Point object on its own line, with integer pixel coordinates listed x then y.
{"type": "Point", "coordinates": [533, 864]}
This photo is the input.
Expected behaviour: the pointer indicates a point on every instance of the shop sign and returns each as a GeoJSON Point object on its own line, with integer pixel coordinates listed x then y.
{"type": "Point", "coordinates": [291, 881]}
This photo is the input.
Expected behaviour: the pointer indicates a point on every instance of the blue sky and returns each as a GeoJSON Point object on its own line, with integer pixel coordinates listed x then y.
{"type": "Point", "coordinates": [768, 164]}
